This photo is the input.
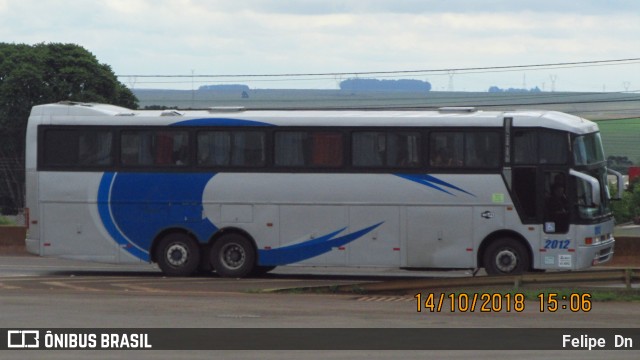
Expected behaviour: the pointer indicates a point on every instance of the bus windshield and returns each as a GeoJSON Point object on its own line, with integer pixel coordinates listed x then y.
{"type": "Point", "coordinates": [587, 149]}
{"type": "Point", "coordinates": [585, 204]}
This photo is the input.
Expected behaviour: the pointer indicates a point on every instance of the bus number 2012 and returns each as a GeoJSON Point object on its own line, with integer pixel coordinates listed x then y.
{"type": "Point", "coordinates": [557, 244]}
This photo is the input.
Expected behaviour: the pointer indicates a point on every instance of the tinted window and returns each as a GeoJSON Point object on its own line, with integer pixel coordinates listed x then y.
{"type": "Point", "coordinates": [446, 149]}
{"type": "Point", "coordinates": [479, 149]}
{"type": "Point", "coordinates": [539, 147]}
{"type": "Point", "coordinates": [78, 148]}
{"type": "Point", "coordinates": [386, 149]}
{"type": "Point", "coordinates": [231, 148]}
{"type": "Point", "coordinates": [154, 148]}
{"type": "Point", "coordinates": [482, 150]}
{"type": "Point", "coordinates": [314, 149]}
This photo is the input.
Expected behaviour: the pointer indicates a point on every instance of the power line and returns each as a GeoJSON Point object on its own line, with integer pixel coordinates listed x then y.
{"type": "Point", "coordinates": [397, 72]}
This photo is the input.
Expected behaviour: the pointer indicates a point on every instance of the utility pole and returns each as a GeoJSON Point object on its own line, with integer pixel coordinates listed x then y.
{"type": "Point", "coordinates": [193, 94]}
{"type": "Point", "coordinates": [451, 73]}
{"type": "Point", "coordinates": [553, 82]}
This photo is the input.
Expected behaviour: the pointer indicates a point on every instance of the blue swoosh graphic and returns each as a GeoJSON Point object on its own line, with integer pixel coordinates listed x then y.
{"type": "Point", "coordinates": [308, 249]}
{"type": "Point", "coordinates": [136, 207]}
{"type": "Point", "coordinates": [433, 182]}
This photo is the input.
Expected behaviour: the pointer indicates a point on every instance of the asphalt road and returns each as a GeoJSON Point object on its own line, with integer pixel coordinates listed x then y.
{"type": "Point", "coordinates": [53, 293]}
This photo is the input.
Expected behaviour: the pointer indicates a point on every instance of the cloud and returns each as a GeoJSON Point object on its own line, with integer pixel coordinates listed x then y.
{"type": "Point", "coordinates": [319, 7]}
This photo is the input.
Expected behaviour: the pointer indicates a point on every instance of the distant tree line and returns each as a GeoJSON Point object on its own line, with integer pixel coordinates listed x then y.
{"type": "Point", "coordinates": [495, 89]}
{"type": "Point", "coordinates": [356, 84]}
{"type": "Point", "coordinates": [226, 87]}
{"type": "Point", "coordinates": [39, 74]}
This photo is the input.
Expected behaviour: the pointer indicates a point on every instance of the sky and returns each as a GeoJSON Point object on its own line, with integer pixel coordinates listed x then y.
{"type": "Point", "coordinates": [138, 38]}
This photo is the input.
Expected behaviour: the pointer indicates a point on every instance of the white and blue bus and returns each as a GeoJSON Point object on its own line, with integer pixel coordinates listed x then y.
{"type": "Point", "coordinates": [242, 192]}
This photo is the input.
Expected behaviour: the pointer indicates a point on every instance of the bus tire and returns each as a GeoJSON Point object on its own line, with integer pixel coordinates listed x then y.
{"type": "Point", "coordinates": [178, 255]}
{"type": "Point", "coordinates": [506, 256]}
{"type": "Point", "coordinates": [233, 255]}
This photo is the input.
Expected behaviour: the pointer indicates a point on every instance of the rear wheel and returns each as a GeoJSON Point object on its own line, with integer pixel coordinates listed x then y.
{"type": "Point", "coordinates": [506, 256]}
{"type": "Point", "coordinates": [178, 255]}
{"type": "Point", "coordinates": [233, 255]}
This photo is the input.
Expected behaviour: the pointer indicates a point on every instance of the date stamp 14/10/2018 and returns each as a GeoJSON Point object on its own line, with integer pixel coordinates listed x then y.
{"type": "Point", "coordinates": [501, 302]}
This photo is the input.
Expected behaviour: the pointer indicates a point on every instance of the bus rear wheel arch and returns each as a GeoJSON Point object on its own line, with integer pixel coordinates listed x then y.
{"type": "Point", "coordinates": [233, 255]}
{"type": "Point", "coordinates": [506, 256]}
{"type": "Point", "coordinates": [177, 254]}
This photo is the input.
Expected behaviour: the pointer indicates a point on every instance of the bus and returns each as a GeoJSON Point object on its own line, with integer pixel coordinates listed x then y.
{"type": "Point", "coordinates": [241, 192]}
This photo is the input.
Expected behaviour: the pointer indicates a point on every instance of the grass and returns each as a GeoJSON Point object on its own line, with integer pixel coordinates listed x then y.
{"type": "Point", "coordinates": [4, 221]}
{"type": "Point", "coordinates": [620, 138]}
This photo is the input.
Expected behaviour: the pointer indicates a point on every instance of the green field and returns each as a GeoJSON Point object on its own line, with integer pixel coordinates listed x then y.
{"type": "Point", "coordinates": [621, 138]}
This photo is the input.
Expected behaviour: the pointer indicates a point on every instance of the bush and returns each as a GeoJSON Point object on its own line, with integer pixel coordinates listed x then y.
{"type": "Point", "coordinates": [628, 208]}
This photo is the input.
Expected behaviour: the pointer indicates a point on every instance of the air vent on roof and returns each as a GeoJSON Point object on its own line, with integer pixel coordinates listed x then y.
{"type": "Point", "coordinates": [458, 109]}
{"type": "Point", "coordinates": [226, 109]}
{"type": "Point", "coordinates": [74, 103]}
{"type": "Point", "coordinates": [171, 113]}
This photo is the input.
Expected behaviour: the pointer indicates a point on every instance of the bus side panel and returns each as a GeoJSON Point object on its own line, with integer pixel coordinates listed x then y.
{"type": "Point", "coordinates": [381, 246]}
{"type": "Point", "coordinates": [71, 225]}
{"type": "Point", "coordinates": [32, 242]}
{"type": "Point", "coordinates": [71, 233]}
{"type": "Point", "coordinates": [306, 223]}
{"type": "Point", "coordinates": [434, 242]}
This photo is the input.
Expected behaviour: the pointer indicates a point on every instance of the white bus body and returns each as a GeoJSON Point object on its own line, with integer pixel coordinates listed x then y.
{"type": "Point", "coordinates": [243, 220]}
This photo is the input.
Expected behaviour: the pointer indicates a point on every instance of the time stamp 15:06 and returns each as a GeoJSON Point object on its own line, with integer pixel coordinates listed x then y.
{"type": "Point", "coordinates": [501, 302]}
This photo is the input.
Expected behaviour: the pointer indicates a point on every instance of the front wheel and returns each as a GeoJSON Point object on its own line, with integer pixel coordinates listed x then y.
{"type": "Point", "coordinates": [177, 255]}
{"type": "Point", "coordinates": [506, 256]}
{"type": "Point", "coordinates": [233, 255]}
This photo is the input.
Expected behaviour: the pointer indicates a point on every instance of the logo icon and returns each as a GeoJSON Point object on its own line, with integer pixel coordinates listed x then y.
{"type": "Point", "coordinates": [23, 339]}
{"type": "Point", "coordinates": [487, 215]}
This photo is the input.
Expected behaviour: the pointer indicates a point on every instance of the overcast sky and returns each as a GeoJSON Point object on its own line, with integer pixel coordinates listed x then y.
{"type": "Point", "coordinates": [144, 37]}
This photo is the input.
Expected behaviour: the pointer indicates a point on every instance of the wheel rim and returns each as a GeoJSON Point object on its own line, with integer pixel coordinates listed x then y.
{"type": "Point", "coordinates": [233, 256]}
{"type": "Point", "coordinates": [177, 255]}
{"type": "Point", "coordinates": [506, 260]}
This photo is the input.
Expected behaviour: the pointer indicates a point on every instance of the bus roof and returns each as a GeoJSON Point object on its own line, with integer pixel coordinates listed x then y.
{"type": "Point", "coordinates": [71, 113]}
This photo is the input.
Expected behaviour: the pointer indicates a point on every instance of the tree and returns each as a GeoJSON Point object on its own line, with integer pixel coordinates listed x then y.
{"type": "Point", "coordinates": [39, 74]}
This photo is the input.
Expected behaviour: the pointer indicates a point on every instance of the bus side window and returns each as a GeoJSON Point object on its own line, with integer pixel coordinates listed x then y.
{"type": "Point", "coordinates": [171, 148]}
{"type": "Point", "coordinates": [135, 148]}
{"type": "Point", "coordinates": [368, 149]}
{"type": "Point", "coordinates": [525, 147]}
{"type": "Point", "coordinates": [154, 148]}
{"type": "Point", "coordinates": [386, 149]}
{"type": "Point", "coordinates": [95, 148]}
{"type": "Point", "coordinates": [78, 148]}
{"type": "Point", "coordinates": [540, 147]}
{"type": "Point", "coordinates": [230, 148]}
{"type": "Point", "coordinates": [482, 150]}
{"type": "Point", "coordinates": [308, 149]}
{"type": "Point", "coordinates": [327, 149]}
{"type": "Point", "coordinates": [446, 149]}
{"type": "Point", "coordinates": [291, 148]}
{"type": "Point", "coordinates": [553, 147]}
